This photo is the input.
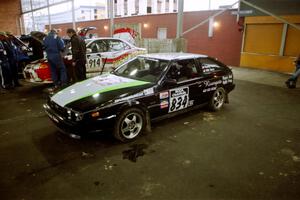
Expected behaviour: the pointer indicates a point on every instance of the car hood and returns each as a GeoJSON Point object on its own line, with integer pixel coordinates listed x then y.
{"type": "Point", "coordinates": [93, 92]}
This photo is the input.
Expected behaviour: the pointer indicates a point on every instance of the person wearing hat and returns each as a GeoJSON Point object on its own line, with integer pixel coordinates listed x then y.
{"type": "Point", "coordinates": [54, 46]}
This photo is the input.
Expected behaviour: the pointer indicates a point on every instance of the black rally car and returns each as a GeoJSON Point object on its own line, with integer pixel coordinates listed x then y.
{"type": "Point", "coordinates": [146, 88]}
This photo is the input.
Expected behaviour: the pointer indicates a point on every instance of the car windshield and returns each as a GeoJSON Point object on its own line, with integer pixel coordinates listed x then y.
{"type": "Point", "coordinates": [144, 69]}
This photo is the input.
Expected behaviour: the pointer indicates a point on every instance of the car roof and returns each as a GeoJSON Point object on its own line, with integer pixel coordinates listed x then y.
{"type": "Point", "coordinates": [174, 56]}
{"type": "Point", "coordinates": [88, 41]}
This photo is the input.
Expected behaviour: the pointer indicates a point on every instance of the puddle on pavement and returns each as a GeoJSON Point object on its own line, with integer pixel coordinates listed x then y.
{"type": "Point", "coordinates": [134, 152]}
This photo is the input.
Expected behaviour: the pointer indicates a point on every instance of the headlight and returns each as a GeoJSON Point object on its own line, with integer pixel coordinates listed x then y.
{"type": "Point", "coordinates": [74, 115]}
{"type": "Point", "coordinates": [78, 116]}
{"type": "Point", "coordinates": [69, 114]}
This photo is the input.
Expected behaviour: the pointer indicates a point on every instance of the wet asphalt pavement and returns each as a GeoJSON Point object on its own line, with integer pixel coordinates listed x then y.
{"type": "Point", "coordinates": [248, 150]}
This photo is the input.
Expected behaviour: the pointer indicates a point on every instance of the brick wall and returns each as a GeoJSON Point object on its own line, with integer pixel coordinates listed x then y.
{"type": "Point", "coordinates": [224, 45]}
{"type": "Point", "coordinates": [10, 12]}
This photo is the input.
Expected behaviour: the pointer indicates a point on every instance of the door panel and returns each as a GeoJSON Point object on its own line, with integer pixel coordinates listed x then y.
{"type": "Point", "coordinates": [180, 95]}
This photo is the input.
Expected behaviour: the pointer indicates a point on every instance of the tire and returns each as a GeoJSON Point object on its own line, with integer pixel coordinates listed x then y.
{"type": "Point", "coordinates": [217, 99]}
{"type": "Point", "coordinates": [129, 125]}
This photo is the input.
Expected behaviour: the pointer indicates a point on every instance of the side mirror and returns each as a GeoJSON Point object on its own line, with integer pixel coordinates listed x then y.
{"type": "Point", "coordinates": [170, 82]}
{"type": "Point", "coordinates": [88, 50]}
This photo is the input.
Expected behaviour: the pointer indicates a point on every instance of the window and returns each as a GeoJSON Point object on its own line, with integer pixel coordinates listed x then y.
{"type": "Point", "coordinates": [162, 33]}
{"type": "Point", "coordinates": [175, 5]}
{"type": "Point", "coordinates": [99, 46]}
{"type": "Point", "coordinates": [167, 6]}
{"type": "Point", "coordinates": [183, 70]}
{"type": "Point", "coordinates": [145, 69]}
{"type": "Point", "coordinates": [209, 65]}
{"type": "Point", "coordinates": [159, 5]}
{"type": "Point", "coordinates": [137, 6]}
{"type": "Point", "coordinates": [117, 45]}
{"type": "Point", "coordinates": [149, 9]}
{"type": "Point", "coordinates": [26, 5]}
{"type": "Point", "coordinates": [125, 7]}
{"type": "Point", "coordinates": [55, 1]}
{"type": "Point", "coordinates": [38, 3]}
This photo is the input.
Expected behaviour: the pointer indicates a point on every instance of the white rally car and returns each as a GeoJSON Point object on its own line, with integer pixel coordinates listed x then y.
{"type": "Point", "coordinates": [103, 55]}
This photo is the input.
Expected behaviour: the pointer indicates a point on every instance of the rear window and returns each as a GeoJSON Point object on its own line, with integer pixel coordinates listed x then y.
{"type": "Point", "coordinates": [209, 65]}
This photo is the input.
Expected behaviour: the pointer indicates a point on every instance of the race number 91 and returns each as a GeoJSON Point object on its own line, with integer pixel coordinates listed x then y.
{"type": "Point", "coordinates": [179, 99]}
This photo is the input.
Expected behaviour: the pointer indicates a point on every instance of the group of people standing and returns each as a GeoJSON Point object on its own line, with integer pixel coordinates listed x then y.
{"type": "Point", "coordinates": [10, 57]}
{"type": "Point", "coordinates": [55, 47]}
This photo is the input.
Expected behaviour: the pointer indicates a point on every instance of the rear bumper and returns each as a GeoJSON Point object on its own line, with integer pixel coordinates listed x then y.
{"type": "Point", "coordinates": [78, 129]}
{"type": "Point", "coordinates": [39, 75]}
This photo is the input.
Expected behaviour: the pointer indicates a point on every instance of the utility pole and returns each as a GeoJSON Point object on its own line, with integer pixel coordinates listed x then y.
{"type": "Point", "coordinates": [111, 14]}
{"type": "Point", "coordinates": [179, 18]}
{"type": "Point", "coordinates": [49, 16]}
{"type": "Point", "coordinates": [73, 15]}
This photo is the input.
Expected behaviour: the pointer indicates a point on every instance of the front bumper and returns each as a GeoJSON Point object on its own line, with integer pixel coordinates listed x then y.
{"type": "Point", "coordinates": [77, 129]}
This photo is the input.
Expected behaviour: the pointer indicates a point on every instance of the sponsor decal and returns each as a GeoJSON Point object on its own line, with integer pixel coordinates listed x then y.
{"type": "Point", "coordinates": [215, 83]}
{"type": "Point", "coordinates": [209, 67]}
{"type": "Point", "coordinates": [209, 89]}
{"type": "Point", "coordinates": [105, 80]}
{"type": "Point", "coordinates": [179, 99]}
{"type": "Point", "coordinates": [164, 95]}
{"type": "Point", "coordinates": [227, 79]}
{"type": "Point", "coordinates": [164, 104]}
{"type": "Point", "coordinates": [140, 94]}
{"type": "Point", "coordinates": [149, 91]}
{"type": "Point", "coordinates": [146, 92]}
{"type": "Point", "coordinates": [205, 83]}
{"type": "Point", "coordinates": [191, 103]}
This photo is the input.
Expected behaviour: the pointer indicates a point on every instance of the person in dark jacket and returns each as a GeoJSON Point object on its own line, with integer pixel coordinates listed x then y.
{"type": "Point", "coordinates": [78, 56]}
{"type": "Point", "coordinates": [37, 48]}
{"type": "Point", "coordinates": [291, 82]}
{"type": "Point", "coordinates": [54, 46]}
{"type": "Point", "coordinates": [14, 64]}
{"type": "Point", "coordinates": [5, 71]}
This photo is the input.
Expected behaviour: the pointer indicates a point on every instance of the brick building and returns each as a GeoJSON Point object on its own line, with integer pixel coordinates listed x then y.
{"type": "Point", "coordinates": [10, 13]}
{"type": "Point", "coordinates": [225, 44]}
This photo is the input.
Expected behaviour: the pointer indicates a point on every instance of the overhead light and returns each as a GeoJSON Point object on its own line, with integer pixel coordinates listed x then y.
{"type": "Point", "coordinates": [146, 25]}
{"type": "Point", "coordinates": [216, 24]}
{"type": "Point", "coordinates": [105, 27]}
